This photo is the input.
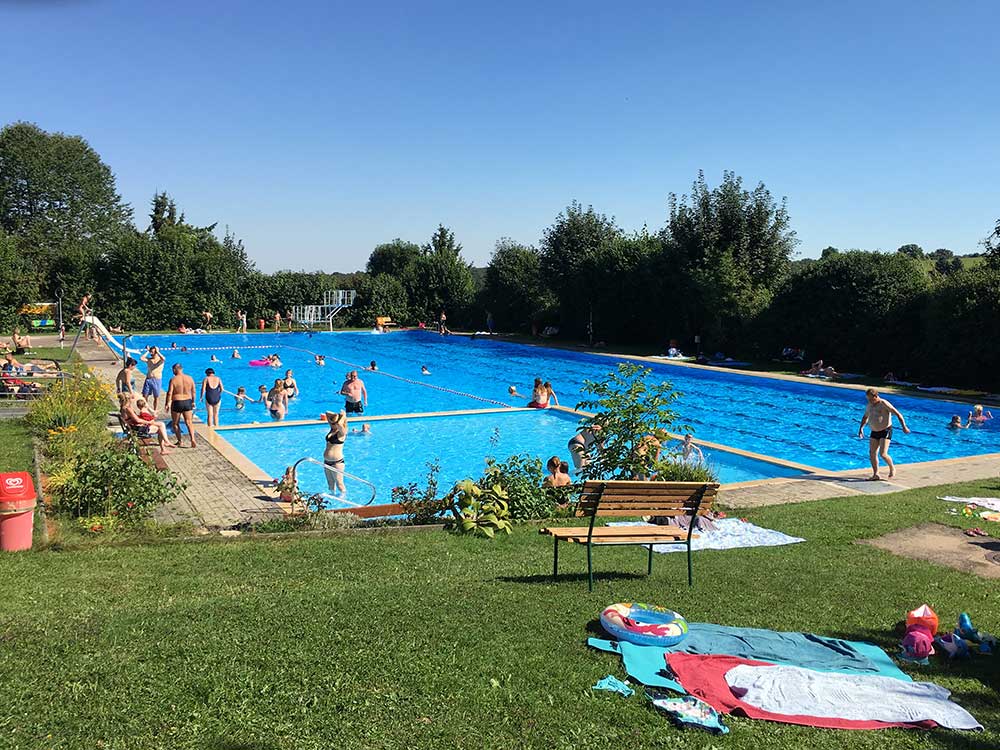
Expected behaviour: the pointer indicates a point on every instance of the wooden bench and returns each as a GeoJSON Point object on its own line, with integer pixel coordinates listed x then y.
{"type": "Point", "coordinates": [146, 445]}
{"type": "Point", "coordinates": [626, 498]}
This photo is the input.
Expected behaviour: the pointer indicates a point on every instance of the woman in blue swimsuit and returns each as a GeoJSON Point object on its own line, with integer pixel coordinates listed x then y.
{"type": "Point", "coordinates": [211, 394]}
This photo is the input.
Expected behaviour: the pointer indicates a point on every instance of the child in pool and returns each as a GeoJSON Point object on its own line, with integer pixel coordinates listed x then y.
{"type": "Point", "coordinates": [242, 397]}
{"type": "Point", "coordinates": [366, 429]}
{"type": "Point", "coordinates": [978, 415]}
{"type": "Point", "coordinates": [956, 423]}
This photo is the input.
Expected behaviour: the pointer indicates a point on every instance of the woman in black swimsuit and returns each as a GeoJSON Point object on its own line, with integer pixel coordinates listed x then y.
{"type": "Point", "coordinates": [211, 394]}
{"type": "Point", "coordinates": [291, 387]}
{"type": "Point", "coordinates": [333, 454]}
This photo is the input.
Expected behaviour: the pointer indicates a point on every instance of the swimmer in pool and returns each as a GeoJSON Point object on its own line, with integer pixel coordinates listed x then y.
{"type": "Point", "coordinates": [235, 354]}
{"type": "Point", "coordinates": [691, 452]}
{"type": "Point", "coordinates": [979, 416]}
{"type": "Point", "coordinates": [424, 370]}
{"type": "Point", "coordinates": [320, 360]}
{"type": "Point", "coordinates": [512, 392]}
{"type": "Point", "coordinates": [213, 358]}
{"type": "Point", "coordinates": [242, 398]}
{"type": "Point", "coordinates": [373, 367]}
{"type": "Point", "coordinates": [956, 423]}
{"type": "Point", "coordinates": [366, 429]}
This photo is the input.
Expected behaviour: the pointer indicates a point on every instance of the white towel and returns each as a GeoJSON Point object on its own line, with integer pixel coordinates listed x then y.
{"type": "Point", "coordinates": [795, 691]}
{"type": "Point", "coordinates": [993, 503]}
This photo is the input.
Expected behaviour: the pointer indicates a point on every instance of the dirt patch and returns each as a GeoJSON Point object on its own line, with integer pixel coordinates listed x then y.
{"type": "Point", "coordinates": [945, 546]}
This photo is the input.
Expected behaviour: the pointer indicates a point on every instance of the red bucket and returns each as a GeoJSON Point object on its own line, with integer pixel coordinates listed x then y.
{"type": "Point", "coordinates": [17, 511]}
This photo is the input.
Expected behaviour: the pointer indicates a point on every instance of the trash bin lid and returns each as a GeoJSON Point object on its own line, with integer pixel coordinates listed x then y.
{"type": "Point", "coordinates": [16, 485]}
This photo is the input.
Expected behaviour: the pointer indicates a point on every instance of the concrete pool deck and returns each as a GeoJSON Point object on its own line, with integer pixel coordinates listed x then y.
{"type": "Point", "coordinates": [225, 488]}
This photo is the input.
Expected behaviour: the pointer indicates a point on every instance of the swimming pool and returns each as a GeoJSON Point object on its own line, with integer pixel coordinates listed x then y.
{"type": "Point", "coordinates": [397, 450]}
{"type": "Point", "coordinates": [806, 423]}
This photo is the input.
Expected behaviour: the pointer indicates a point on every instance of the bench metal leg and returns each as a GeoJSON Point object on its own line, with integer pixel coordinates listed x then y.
{"type": "Point", "coordinates": [555, 558]}
{"type": "Point", "coordinates": [649, 561]}
{"type": "Point", "coordinates": [690, 577]}
{"type": "Point", "coordinates": [590, 570]}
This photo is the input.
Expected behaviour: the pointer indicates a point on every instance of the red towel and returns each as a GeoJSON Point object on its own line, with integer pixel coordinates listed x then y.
{"type": "Point", "coordinates": [704, 676]}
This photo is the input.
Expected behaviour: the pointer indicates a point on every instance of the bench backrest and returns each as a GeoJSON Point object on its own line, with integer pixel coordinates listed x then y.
{"type": "Point", "coordinates": [639, 498]}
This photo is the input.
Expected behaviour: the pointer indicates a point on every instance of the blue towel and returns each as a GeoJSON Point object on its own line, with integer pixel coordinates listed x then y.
{"type": "Point", "coordinates": [648, 665]}
{"type": "Point", "coordinates": [614, 685]}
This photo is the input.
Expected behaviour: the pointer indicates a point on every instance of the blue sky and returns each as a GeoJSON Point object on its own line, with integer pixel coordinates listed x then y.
{"type": "Point", "coordinates": [316, 130]}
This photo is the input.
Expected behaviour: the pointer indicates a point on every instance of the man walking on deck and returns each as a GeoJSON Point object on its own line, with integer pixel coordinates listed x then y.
{"type": "Point", "coordinates": [180, 402]}
{"type": "Point", "coordinates": [878, 415]}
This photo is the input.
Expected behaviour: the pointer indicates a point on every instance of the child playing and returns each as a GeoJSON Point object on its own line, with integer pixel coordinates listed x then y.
{"type": "Point", "coordinates": [288, 488]}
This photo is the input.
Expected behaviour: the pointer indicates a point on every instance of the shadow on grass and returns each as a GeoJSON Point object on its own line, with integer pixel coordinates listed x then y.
{"type": "Point", "coordinates": [571, 578]}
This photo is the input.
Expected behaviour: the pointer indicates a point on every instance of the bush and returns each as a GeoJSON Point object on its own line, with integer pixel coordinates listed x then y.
{"type": "Point", "coordinates": [521, 477]}
{"type": "Point", "coordinates": [960, 312]}
{"type": "Point", "coordinates": [676, 470]}
{"type": "Point", "coordinates": [856, 310]}
{"type": "Point", "coordinates": [479, 511]}
{"type": "Point", "coordinates": [71, 418]}
{"type": "Point", "coordinates": [422, 507]}
{"type": "Point", "coordinates": [114, 482]}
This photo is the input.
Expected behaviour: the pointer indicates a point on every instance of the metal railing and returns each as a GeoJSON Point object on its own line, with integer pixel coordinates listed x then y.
{"type": "Point", "coordinates": [328, 468]}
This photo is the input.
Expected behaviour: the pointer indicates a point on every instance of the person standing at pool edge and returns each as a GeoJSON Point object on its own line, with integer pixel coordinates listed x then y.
{"type": "Point", "coordinates": [878, 416]}
{"type": "Point", "coordinates": [180, 402]}
{"type": "Point", "coordinates": [211, 394]}
{"type": "Point", "coordinates": [153, 386]}
{"type": "Point", "coordinates": [355, 394]}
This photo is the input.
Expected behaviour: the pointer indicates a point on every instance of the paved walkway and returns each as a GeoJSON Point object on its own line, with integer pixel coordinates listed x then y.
{"type": "Point", "coordinates": [217, 494]}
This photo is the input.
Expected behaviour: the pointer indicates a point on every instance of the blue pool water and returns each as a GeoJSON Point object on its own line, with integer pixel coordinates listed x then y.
{"type": "Point", "coordinates": [398, 450]}
{"type": "Point", "coordinates": [806, 423]}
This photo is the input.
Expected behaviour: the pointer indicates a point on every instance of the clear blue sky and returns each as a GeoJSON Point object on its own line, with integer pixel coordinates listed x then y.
{"type": "Point", "coordinates": [316, 130]}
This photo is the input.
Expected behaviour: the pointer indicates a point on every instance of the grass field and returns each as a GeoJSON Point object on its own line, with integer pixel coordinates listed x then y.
{"type": "Point", "coordinates": [15, 446]}
{"type": "Point", "coordinates": [428, 640]}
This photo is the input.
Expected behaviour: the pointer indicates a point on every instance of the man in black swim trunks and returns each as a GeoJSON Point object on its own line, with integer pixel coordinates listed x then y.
{"type": "Point", "coordinates": [878, 415]}
{"type": "Point", "coordinates": [355, 394]}
{"type": "Point", "coordinates": [180, 402]}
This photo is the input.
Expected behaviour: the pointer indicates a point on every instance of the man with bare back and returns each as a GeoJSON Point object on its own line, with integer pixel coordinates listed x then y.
{"type": "Point", "coordinates": [180, 402]}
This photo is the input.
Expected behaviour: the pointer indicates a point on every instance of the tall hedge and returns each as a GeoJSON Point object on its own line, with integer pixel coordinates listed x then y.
{"type": "Point", "coordinates": [856, 310]}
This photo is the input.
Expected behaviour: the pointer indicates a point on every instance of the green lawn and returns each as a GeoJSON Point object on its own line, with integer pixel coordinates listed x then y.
{"type": "Point", "coordinates": [394, 640]}
{"type": "Point", "coordinates": [15, 446]}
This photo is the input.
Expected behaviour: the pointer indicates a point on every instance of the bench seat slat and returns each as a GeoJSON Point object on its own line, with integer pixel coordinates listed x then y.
{"type": "Point", "coordinates": [615, 531]}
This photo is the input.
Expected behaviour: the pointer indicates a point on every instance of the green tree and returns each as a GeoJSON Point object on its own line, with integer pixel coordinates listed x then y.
{"type": "Point", "coordinates": [732, 248]}
{"type": "Point", "coordinates": [942, 253]}
{"type": "Point", "coordinates": [857, 310]}
{"type": "Point", "coordinates": [381, 294]}
{"type": "Point", "coordinates": [828, 251]}
{"type": "Point", "coordinates": [513, 290]}
{"type": "Point", "coordinates": [441, 279]}
{"type": "Point", "coordinates": [576, 234]}
{"type": "Point", "coordinates": [912, 250]}
{"type": "Point", "coordinates": [18, 282]}
{"type": "Point", "coordinates": [396, 258]}
{"type": "Point", "coordinates": [945, 266]}
{"type": "Point", "coordinates": [55, 190]}
{"type": "Point", "coordinates": [992, 246]}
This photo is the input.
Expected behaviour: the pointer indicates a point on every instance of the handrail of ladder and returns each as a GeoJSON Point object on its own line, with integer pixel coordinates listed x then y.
{"type": "Point", "coordinates": [327, 467]}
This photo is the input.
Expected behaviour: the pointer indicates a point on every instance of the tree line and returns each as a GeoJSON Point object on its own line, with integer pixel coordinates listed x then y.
{"type": "Point", "coordinates": [720, 271]}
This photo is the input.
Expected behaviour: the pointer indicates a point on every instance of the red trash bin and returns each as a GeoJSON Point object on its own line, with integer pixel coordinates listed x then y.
{"type": "Point", "coordinates": [17, 511]}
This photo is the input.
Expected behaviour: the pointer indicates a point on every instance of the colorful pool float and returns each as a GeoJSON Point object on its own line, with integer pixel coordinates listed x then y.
{"type": "Point", "coordinates": [644, 624]}
{"type": "Point", "coordinates": [259, 362]}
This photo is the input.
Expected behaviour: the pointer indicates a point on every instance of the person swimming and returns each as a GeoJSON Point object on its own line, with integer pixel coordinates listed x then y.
{"type": "Point", "coordinates": [372, 366]}
{"type": "Point", "coordinates": [213, 358]}
{"type": "Point", "coordinates": [235, 354]}
{"type": "Point", "coordinates": [241, 397]}
{"type": "Point", "coordinates": [424, 370]}
{"type": "Point", "coordinates": [320, 359]}
{"type": "Point", "coordinates": [978, 415]}
{"type": "Point", "coordinates": [513, 393]}
{"type": "Point", "coordinates": [956, 423]}
{"type": "Point", "coordinates": [366, 429]}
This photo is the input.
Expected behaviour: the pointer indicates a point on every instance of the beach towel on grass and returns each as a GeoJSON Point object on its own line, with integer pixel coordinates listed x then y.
{"type": "Point", "coordinates": [804, 692]}
{"type": "Point", "coordinates": [704, 676]}
{"type": "Point", "coordinates": [646, 663]}
{"type": "Point", "coordinates": [729, 533]}
{"type": "Point", "coordinates": [993, 503]}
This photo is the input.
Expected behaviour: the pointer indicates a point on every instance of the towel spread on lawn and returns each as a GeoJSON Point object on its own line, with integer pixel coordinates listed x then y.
{"type": "Point", "coordinates": [705, 678]}
{"type": "Point", "coordinates": [729, 533]}
{"type": "Point", "coordinates": [645, 663]}
{"type": "Point", "coordinates": [804, 692]}
{"type": "Point", "coordinates": [993, 503]}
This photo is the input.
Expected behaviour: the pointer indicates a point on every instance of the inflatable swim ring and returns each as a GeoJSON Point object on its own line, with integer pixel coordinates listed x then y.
{"type": "Point", "coordinates": [259, 362]}
{"type": "Point", "coordinates": [644, 624]}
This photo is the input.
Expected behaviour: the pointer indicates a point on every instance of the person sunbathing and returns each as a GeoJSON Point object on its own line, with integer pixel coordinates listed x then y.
{"type": "Point", "coordinates": [21, 343]}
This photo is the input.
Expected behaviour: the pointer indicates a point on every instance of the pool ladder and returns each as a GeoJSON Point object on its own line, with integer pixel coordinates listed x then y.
{"type": "Point", "coordinates": [310, 459]}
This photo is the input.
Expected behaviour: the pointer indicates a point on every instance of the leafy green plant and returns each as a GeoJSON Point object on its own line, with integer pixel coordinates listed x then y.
{"type": "Point", "coordinates": [422, 506]}
{"type": "Point", "coordinates": [521, 476]}
{"type": "Point", "coordinates": [673, 469]}
{"type": "Point", "coordinates": [114, 482]}
{"type": "Point", "coordinates": [627, 410]}
{"type": "Point", "coordinates": [479, 511]}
